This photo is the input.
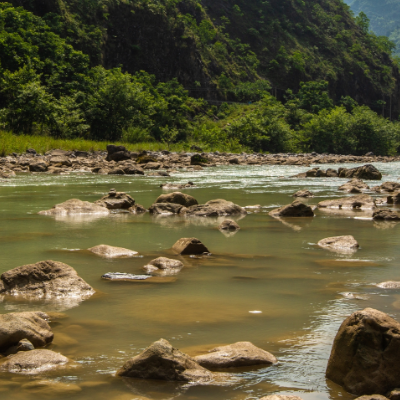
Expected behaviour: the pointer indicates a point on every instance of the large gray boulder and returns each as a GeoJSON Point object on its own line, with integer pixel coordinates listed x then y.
{"type": "Point", "coordinates": [240, 354]}
{"type": "Point", "coordinates": [365, 357]}
{"type": "Point", "coordinates": [191, 246]}
{"type": "Point", "coordinates": [33, 362]}
{"type": "Point", "coordinates": [75, 207]}
{"type": "Point", "coordinates": [177, 198]}
{"type": "Point", "coordinates": [116, 200]}
{"type": "Point", "coordinates": [162, 361]}
{"type": "Point", "coordinates": [215, 208]}
{"type": "Point", "coordinates": [295, 209]}
{"type": "Point", "coordinates": [362, 201]}
{"type": "Point", "coordinates": [44, 280]}
{"type": "Point", "coordinates": [367, 171]}
{"type": "Point", "coordinates": [33, 326]}
{"type": "Point", "coordinates": [344, 244]}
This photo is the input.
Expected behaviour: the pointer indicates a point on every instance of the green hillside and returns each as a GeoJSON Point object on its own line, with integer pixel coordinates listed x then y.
{"type": "Point", "coordinates": [107, 69]}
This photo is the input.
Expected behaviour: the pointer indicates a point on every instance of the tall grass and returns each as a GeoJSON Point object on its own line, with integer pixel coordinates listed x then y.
{"type": "Point", "coordinates": [11, 143]}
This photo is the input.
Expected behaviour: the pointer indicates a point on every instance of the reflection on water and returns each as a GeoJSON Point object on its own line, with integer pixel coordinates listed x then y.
{"type": "Point", "coordinates": [269, 283]}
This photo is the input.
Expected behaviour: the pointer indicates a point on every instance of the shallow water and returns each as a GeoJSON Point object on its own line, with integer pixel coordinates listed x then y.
{"type": "Point", "coordinates": [269, 266]}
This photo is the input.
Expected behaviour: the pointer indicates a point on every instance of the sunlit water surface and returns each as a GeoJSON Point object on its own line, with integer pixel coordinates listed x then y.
{"type": "Point", "coordinates": [268, 266]}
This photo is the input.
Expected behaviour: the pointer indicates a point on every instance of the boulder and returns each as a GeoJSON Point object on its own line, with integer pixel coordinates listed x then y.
{"type": "Point", "coordinates": [33, 362]}
{"type": "Point", "coordinates": [117, 153]}
{"type": "Point", "coordinates": [116, 200]}
{"type": "Point", "coordinates": [340, 243]}
{"type": "Point", "coordinates": [162, 361]}
{"type": "Point", "coordinates": [116, 171]}
{"type": "Point", "coordinates": [315, 173]}
{"type": "Point", "coordinates": [145, 158]}
{"type": "Point", "coordinates": [133, 170]}
{"type": "Point", "coordinates": [303, 193]}
{"type": "Point", "coordinates": [112, 252]}
{"type": "Point", "coordinates": [281, 397]}
{"type": "Point", "coordinates": [198, 159]}
{"type": "Point", "coordinates": [177, 198]}
{"type": "Point", "coordinates": [331, 173]}
{"type": "Point", "coordinates": [354, 184]}
{"type": "Point", "coordinates": [215, 208]}
{"type": "Point", "coordinates": [362, 201]}
{"type": "Point", "coordinates": [367, 171]}
{"type": "Point", "coordinates": [189, 246]}
{"type": "Point", "coordinates": [172, 186]}
{"type": "Point", "coordinates": [166, 208]}
{"type": "Point", "coordinates": [152, 165]}
{"type": "Point", "coordinates": [389, 187]}
{"type": "Point", "coordinates": [389, 285]}
{"type": "Point", "coordinates": [74, 207]}
{"type": "Point", "coordinates": [32, 326]}
{"type": "Point", "coordinates": [61, 160]}
{"type": "Point", "coordinates": [240, 354]}
{"type": "Point", "coordinates": [393, 198]}
{"type": "Point", "coordinates": [229, 225]}
{"type": "Point", "coordinates": [365, 357]}
{"type": "Point", "coordinates": [385, 215]}
{"type": "Point", "coordinates": [38, 166]}
{"type": "Point", "coordinates": [163, 266]}
{"type": "Point", "coordinates": [394, 394]}
{"type": "Point", "coordinates": [296, 209]}
{"type": "Point", "coordinates": [22, 345]}
{"type": "Point", "coordinates": [44, 280]}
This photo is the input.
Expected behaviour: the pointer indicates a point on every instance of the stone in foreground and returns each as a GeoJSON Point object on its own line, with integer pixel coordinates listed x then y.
{"type": "Point", "coordinates": [240, 354]}
{"type": "Point", "coordinates": [296, 209]}
{"type": "Point", "coordinates": [112, 252]}
{"type": "Point", "coordinates": [116, 200]}
{"type": "Point", "coordinates": [362, 201]}
{"type": "Point", "coordinates": [186, 246]}
{"type": "Point", "coordinates": [340, 243]}
{"type": "Point", "coordinates": [177, 198]}
{"type": "Point", "coordinates": [365, 357]}
{"type": "Point", "coordinates": [229, 225]}
{"type": "Point", "coordinates": [162, 361]}
{"type": "Point", "coordinates": [44, 280]}
{"type": "Point", "coordinates": [163, 266]}
{"type": "Point", "coordinates": [33, 326]}
{"type": "Point", "coordinates": [74, 207]}
{"type": "Point", "coordinates": [215, 208]}
{"type": "Point", "coordinates": [385, 215]}
{"type": "Point", "coordinates": [33, 362]}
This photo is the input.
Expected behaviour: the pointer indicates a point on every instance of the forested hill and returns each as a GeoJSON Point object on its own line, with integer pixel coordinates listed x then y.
{"type": "Point", "coordinates": [384, 17]}
{"type": "Point", "coordinates": [210, 44]}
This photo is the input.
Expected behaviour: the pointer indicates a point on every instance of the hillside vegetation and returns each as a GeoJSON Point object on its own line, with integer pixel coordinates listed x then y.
{"type": "Point", "coordinates": [118, 69]}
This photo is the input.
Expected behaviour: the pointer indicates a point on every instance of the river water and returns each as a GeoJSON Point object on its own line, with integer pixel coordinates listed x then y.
{"type": "Point", "coordinates": [269, 266]}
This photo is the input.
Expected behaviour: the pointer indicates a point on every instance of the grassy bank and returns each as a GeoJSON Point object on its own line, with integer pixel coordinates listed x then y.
{"type": "Point", "coordinates": [11, 143]}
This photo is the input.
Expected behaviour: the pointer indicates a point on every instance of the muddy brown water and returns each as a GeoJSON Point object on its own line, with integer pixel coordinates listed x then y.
{"type": "Point", "coordinates": [301, 292]}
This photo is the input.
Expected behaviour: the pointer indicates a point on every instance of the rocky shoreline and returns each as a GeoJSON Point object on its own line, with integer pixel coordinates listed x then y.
{"type": "Point", "coordinates": [119, 161]}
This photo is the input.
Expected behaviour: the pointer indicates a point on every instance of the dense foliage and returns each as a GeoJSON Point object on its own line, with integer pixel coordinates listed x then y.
{"type": "Point", "coordinates": [49, 86]}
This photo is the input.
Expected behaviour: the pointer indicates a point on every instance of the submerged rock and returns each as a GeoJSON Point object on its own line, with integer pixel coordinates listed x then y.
{"type": "Point", "coordinates": [122, 276]}
{"type": "Point", "coordinates": [362, 201]}
{"type": "Point", "coordinates": [386, 215]}
{"type": "Point", "coordinates": [240, 354]}
{"type": "Point", "coordinates": [33, 326]}
{"type": "Point", "coordinates": [44, 280]}
{"type": "Point", "coordinates": [51, 388]}
{"type": "Point", "coordinates": [137, 209]}
{"type": "Point", "coordinates": [303, 193]}
{"type": "Point", "coordinates": [166, 208]}
{"type": "Point", "coordinates": [33, 362]}
{"type": "Point", "coordinates": [163, 266]}
{"type": "Point", "coordinates": [74, 207]}
{"type": "Point", "coordinates": [112, 252]}
{"type": "Point", "coordinates": [340, 243]}
{"type": "Point", "coordinates": [296, 209]}
{"type": "Point", "coordinates": [365, 353]}
{"type": "Point", "coordinates": [189, 246]}
{"type": "Point", "coordinates": [389, 285]}
{"type": "Point", "coordinates": [116, 200]}
{"type": "Point", "coordinates": [177, 198]}
{"type": "Point", "coordinates": [215, 208]}
{"type": "Point", "coordinates": [171, 186]}
{"type": "Point", "coordinates": [367, 171]}
{"type": "Point", "coordinates": [162, 361]}
{"type": "Point", "coordinates": [229, 225]}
